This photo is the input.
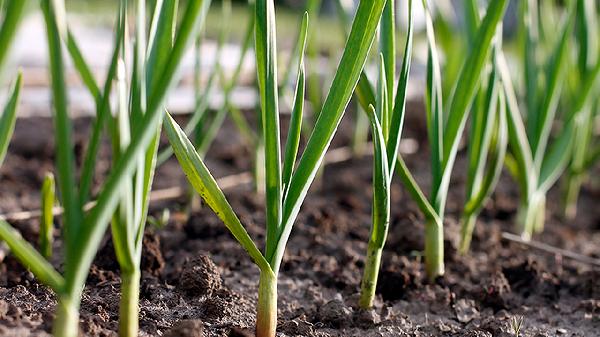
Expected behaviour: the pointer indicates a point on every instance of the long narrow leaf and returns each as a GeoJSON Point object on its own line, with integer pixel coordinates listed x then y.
{"type": "Point", "coordinates": [545, 116]}
{"type": "Point", "coordinates": [30, 257]}
{"type": "Point", "coordinates": [556, 159]}
{"type": "Point", "coordinates": [399, 108]}
{"type": "Point", "coordinates": [347, 76]}
{"type": "Point", "coordinates": [468, 80]}
{"type": "Point", "coordinates": [9, 117]}
{"type": "Point", "coordinates": [63, 130]}
{"type": "Point", "coordinates": [381, 183]}
{"type": "Point", "coordinates": [295, 128]}
{"type": "Point", "coordinates": [517, 133]}
{"type": "Point", "coordinates": [102, 114]}
{"type": "Point", "coordinates": [266, 59]}
{"type": "Point", "coordinates": [12, 17]}
{"type": "Point", "coordinates": [203, 182]}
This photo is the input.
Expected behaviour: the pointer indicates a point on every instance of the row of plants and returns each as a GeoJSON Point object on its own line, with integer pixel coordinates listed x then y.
{"type": "Point", "coordinates": [540, 130]}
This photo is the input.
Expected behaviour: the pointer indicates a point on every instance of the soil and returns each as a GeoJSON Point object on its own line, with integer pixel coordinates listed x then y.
{"type": "Point", "coordinates": [197, 281]}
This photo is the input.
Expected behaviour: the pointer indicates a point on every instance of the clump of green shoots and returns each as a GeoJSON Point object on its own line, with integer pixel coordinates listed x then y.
{"type": "Point", "coordinates": [487, 138]}
{"type": "Point", "coordinates": [585, 152]}
{"type": "Point", "coordinates": [516, 324]}
{"type": "Point", "coordinates": [537, 160]}
{"type": "Point", "coordinates": [134, 131]}
{"type": "Point", "coordinates": [386, 122]}
{"type": "Point", "coordinates": [445, 128]}
{"type": "Point", "coordinates": [285, 187]}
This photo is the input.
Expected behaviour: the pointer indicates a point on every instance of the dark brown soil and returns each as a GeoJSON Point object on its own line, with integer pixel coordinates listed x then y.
{"type": "Point", "coordinates": [197, 281]}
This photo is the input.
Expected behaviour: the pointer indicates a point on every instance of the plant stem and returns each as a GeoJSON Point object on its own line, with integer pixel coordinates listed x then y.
{"type": "Point", "coordinates": [573, 186]}
{"type": "Point", "coordinates": [540, 214]}
{"type": "Point", "coordinates": [129, 309]}
{"type": "Point", "coordinates": [531, 216]}
{"type": "Point", "coordinates": [434, 249]}
{"type": "Point", "coordinates": [66, 322]}
{"type": "Point", "coordinates": [266, 318]}
{"type": "Point", "coordinates": [369, 281]}
{"type": "Point", "coordinates": [466, 233]}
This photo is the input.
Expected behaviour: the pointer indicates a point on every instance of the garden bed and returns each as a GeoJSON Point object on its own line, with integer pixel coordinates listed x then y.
{"type": "Point", "coordinates": [197, 278]}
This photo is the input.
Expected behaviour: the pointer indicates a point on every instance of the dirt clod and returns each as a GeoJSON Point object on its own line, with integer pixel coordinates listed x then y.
{"type": "Point", "coordinates": [335, 314]}
{"type": "Point", "coordinates": [496, 291]}
{"type": "Point", "coordinates": [297, 327]}
{"type": "Point", "coordinates": [152, 259]}
{"type": "Point", "coordinates": [200, 277]}
{"type": "Point", "coordinates": [187, 328]}
{"type": "Point", "coordinates": [366, 318]}
{"type": "Point", "coordinates": [241, 332]}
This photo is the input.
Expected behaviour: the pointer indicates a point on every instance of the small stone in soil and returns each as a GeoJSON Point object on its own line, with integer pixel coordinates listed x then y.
{"type": "Point", "coordinates": [187, 328]}
{"type": "Point", "coordinates": [199, 277]}
{"type": "Point", "coordinates": [465, 310]}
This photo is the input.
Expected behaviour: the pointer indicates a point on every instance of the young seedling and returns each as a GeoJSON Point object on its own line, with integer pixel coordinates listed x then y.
{"type": "Point", "coordinates": [445, 129]}
{"type": "Point", "coordinates": [82, 241]}
{"type": "Point", "coordinates": [516, 324]}
{"type": "Point", "coordinates": [47, 217]}
{"type": "Point", "coordinates": [285, 188]}
{"type": "Point", "coordinates": [535, 160]}
{"type": "Point", "coordinates": [386, 126]}
{"type": "Point", "coordinates": [487, 138]}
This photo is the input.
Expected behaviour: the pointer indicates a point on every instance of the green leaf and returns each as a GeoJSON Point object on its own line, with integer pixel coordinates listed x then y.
{"type": "Point", "coordinates": [556, 159]}
{"type": "Point", "coordinates": [472, 19]}
{"type": "Point", "coordinates": [531, 49]}
{"type": "Point", "coordinates": [517, 135]}
{"type": "Point", "coordinates": [382, 102]}
{"type": "Point", "coordinates": [482, 127]}
{"type": "Point", "coordinates": [295, 127]}
{"type": "Point", "coordinates": [30, 257]}
{"type": "Point", "coordinates": [387, 45]}
{"type": "Point", "coordinates": [433, 105]}
{"type": "Point", "coordinates": [203, 182]}
{"type": "Point", "coordinates": [545, 116]}
{"type": "Point", "coordinates": [468, 80]}
{"type": "Point", "coordinates": [82, 67]}
{"type": "Point", "coordinates": [266, 60]}
{"type": "Point", "coordinates": [11, 19]}
{"type": "Point", "coordinates": [65, 160]}
{"type": "Point", "coordinates": [399, 108]}
{"type": "Point", "coordinates": [9, 117]}
{"type": "Point", "coordinates": [415, 191]}
{"type": "Point", "coordinates": [381, 183]}
{"type": "Point", "coordinates": [102, 115]}
{"type": "Point", "coordinates": [162, 32]}
{"type": "Point", "coordinates": [347, 76]}
{"type": "Point", "coordinates": [497, 155]}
